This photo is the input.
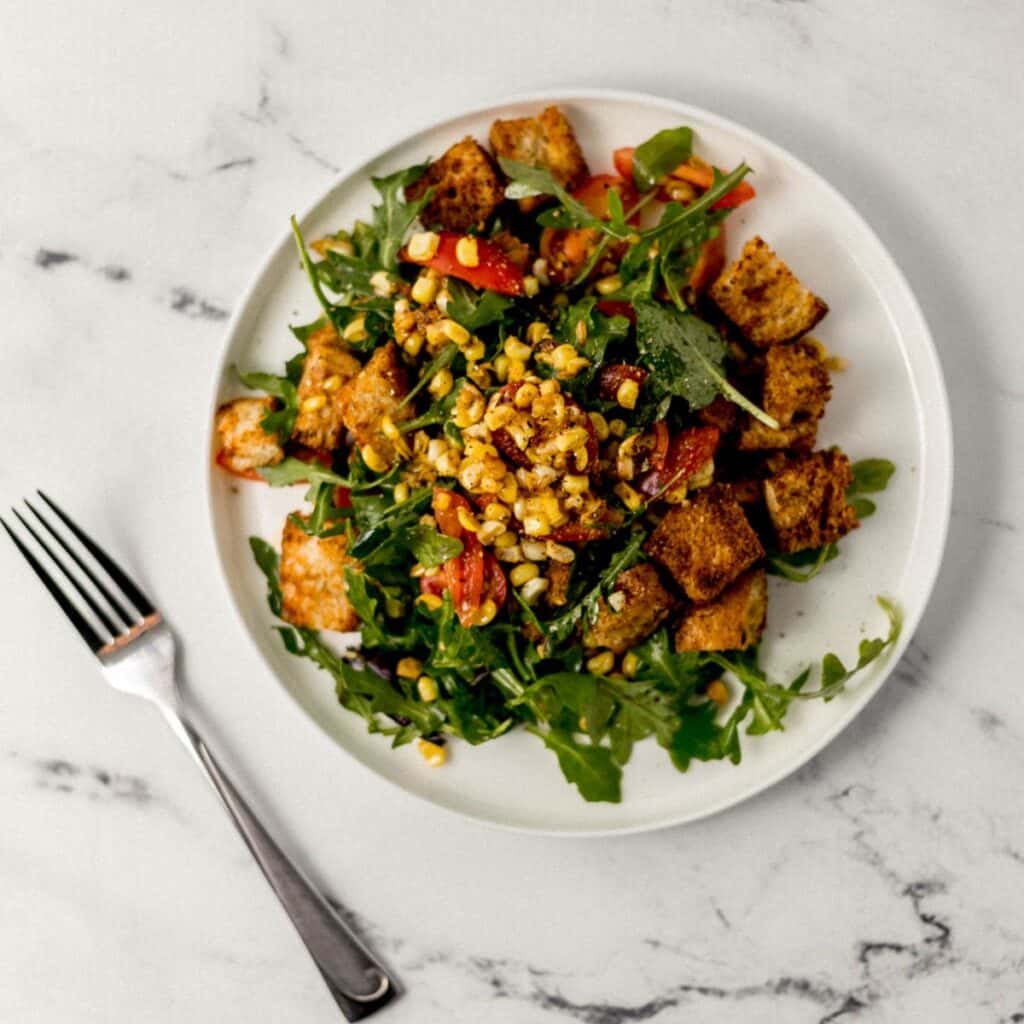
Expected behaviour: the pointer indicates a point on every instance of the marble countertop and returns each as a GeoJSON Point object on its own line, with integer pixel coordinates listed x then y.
{"type": "Point", "coordinates": [149, 155]}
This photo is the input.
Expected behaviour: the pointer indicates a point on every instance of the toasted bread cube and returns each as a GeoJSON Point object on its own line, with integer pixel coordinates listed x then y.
{"type": "Point", "coordinates": [806, 501]}
{"type": "Point", "coordinates": [326, 357]}
{"type": "Point", "coordinates": [732, 622]}
{"type": "Point", "coordinates": [705, 544]}
{"type": "Point", "coordinates": [544, 141]}
{"type": "Point", "coordinates": [756, 437]}
{"type": "Point", "coordinates": [372, 394]}
{"type": "Point", "coordinates": [647, 605]}
{"type": "Point", "coordinates": [467, 188]}
{"type": "Point", "coordinates": [312, 573]}
{"type": "Point", "coordinates": [763, 297]}
{"type": "Point", "coordinates": [244, 445]}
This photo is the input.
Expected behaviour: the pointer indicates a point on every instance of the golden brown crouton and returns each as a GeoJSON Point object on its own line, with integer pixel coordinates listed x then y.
{"type": "Point", "coordinates": [761, 295]}
{"type": "Point", "coordinates": [732, 622]}
{"type": "Point", "coordinates": [467, 189]}
{"type": "Point", "coordinates": [756, 437]}
{"type": "Point", "coordinates": [544, 141]}
{"type": "Point", "coordinates": [328, 365]}
{"type": "Point", "coordinates": [796, 383]}
{"type": "Point", "coordinates": [645, 606]}
{"type": "Point", "coordinates": [720, 413]}
{"type": "Point", "coordinates": [806, 501]}
{"type": "Point", "coordinates": [313, 590]}
{"type": "Point", "coordinates": [558, 575]}
{"type": "Point", "coordinates": [372, 394]}
{"type": "Point", "coordinates": [705, 544]}
{"type": "Point", "coordinates": [244, 444]}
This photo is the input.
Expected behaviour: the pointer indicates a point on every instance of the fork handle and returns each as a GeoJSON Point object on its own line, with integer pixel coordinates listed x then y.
{"type": "Point", "coordinates": [359, 984]}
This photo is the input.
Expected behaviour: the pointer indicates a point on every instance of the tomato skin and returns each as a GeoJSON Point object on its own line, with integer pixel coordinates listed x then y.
{"type": "Point", "coordinates": [593, 193]}
{"type": "Point", "coordinates": [617, 307]}
{"type": "Point", "coordinates": [495, 271]}
{"type": "Point", "coordinates": [575, 533]}
{"type": "Point", "coordinates": [622, 158]}
{"type": "Point", "coordinates": [615, 374]}
{"type": "Point", "coordinates": [685, 453]}
{"type": "Point", "coordinates": [699, 176]}
{"type": "Point", "coordinates": [445, 506]}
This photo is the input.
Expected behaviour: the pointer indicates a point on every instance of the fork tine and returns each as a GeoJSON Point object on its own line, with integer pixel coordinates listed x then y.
{"type": "Point", "coordinates": [87, 633]}
{"type": "Point", "coordinates": [113, 570]}
{"type": "Point", "coordinates": [84, 594]}
{"type": "Point", "coordinates": [89, 574]}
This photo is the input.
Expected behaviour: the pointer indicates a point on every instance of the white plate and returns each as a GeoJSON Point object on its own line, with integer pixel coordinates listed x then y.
{"type": "Point", "coordinates": [890, 402]}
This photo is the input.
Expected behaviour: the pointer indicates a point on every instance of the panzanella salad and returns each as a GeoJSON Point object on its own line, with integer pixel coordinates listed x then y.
{"type": "Point", "coordinates": [554, 446]}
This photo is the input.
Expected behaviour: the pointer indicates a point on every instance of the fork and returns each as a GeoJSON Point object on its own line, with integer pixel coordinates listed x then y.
{"type": "Point", "coordinates": [135, 649]}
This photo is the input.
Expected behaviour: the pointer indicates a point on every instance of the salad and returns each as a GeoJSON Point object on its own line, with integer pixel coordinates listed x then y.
{"type": "Point", "coordinates": [553, 447]}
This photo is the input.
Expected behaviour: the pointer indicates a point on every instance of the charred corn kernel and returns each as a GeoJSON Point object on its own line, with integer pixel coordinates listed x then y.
{"type": "Point", "coordinates": [424, 291]}
{"type": "Point", "coordinates": [536, 525]}
{"type": "Point", "coordinates": [516, 370]}
{"type": "Point", "coordinates": [442, 501]}
{"type": "Point", "coordinates": [467, 251]}
{"type": "Point", "coordinates": [537, 331]}
{"type": "Point", "coordinates": [533, 550]}
{"type": "Point", "coordinates": [474, 350]}
{"type": "Point", "coordinates": [329, 244]}
{"type": "Point", "coordinates": [433, 753]}
{"type": "Point", "coordinates": [540, 270]}
{"type": "Point", "coordinates": [441, 383]}
{"type": "Point", "coordinates": [388, 428]}
{"type": "Point", "coordinates": [490, 532]}
{"type": "Point", "coordinates": [435, 449]}
{"type": "Point", "coordinates": [601, 664]}
{"type": "Point", "coordinates": [516, 349]}
{"type": "Point", "coordinates": [381, 283]}
{"type": "Point", "coordinates": [600, 425]}
{"type": "Point", "coordinates": [431, 602]}
{"type": "Point", "coordinates": [495, 512]}
{"type": "Point", "coordinates": [423, 245]}
{"type": "Point", "coordinates": [559, 553]}
{"type": "Point", "coordinates": [581, 456]}
{"type": "Point", "coordinates": [532, 589]}
{"type": "Point", "coordinates": [314, 403]}
{"type": "Point", "coordinates": [401, 493]}
{"type": "Point", "coordinates": [627, 394]}
{"type": "Point", "coordinates": [531, 286]}
{"type": "Point", "coordinates": [409, 668]}
{"type": "Point", "coordinates": [426, 688]}
{"type": "Point", "coordinates": [525, 396]}
{"type": "Point", "coordinates": [512, 553]}
{"type": "Point", "coordinates": [509, 490]}
{"type": "Point", "coordinates": [718, 692]}
{"type": "Point", "coordinates": [454, 331]}
{"type": "Point", "coordinates": [574, 367]}
{"type": "Point", "coordinates": [550, 388]}
{"type": "Point", "coordinates": [571, 438]}
{"type": "Point", "coordinates": [501, 367]}
{"type": "Point", "coordinates": [437, 334]}
{"type": "Point", "coordinates": [576, 483]}
{"type": "Point", "coordinates": [617, 428]}
{"type": "Point", "coordinates": [506, 539]}
{"type": "Point", "coordinates": [480, 374]}
{"type": "Point", "coordinates": [630, 664]}
{"type": "Point", "coordinates": [561, 356]}
{"type": "Point", "coordinates": [332, 383]}
{"type": "Point", "coordinates": [442, 300]}
{"type": "Point", "coordinates": [609, 284]}
{"type": "Point", "coordinates": [373, 459]}
{"type": "Point", "coordinates": [629, 497]}
{"type": "Point", "coordinates": [448, 464]}
{"type": "Point", "coordinates": [467, 520]}
{"type": "Point", "coordinates": [523, 574]}
{"type": "Point", "coordinates": [355, 329]}
{"type": "Point", "coordinates": [485, 613]}
{"type": "Point", "coordinates": [617, 601]}
{"type": "Point", "coordinates": [413, 345]}
{"type": "Point", "coordinates": [581, 331]}
{"type": "Point", "coordinates": [624, 467]}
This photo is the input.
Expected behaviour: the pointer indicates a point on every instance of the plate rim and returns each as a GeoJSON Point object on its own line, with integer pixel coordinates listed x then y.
{"type": "Point", "coordinates": [939, 464]}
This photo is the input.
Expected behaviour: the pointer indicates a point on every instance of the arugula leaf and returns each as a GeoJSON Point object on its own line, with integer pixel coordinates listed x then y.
{"type": "Point", "coordinates": [438, 411]}
{"type": "Point", "coordinates": [459, 649]}
{"type": "Point", "coordinates": [474, 310]}
{"type": "Point", "coordinates": [393, 217]}
{"type": "Point", "coordinates": [660, 154]}
{"type": "Point", "coordinates": [686, 356]}
{"type": "Point", "coordinates": [590, 768]}
{"type": "Point", "coordinates": [379, 522]}
{"type": "Point", "coordinates": [430, 547]}
{"type": "Point", "coordinates": [870, 476]}
{"type": "Point", "coordinates": [443, 359]}
{"type": "Point", "coordinates": [310, 269]}
{"type": "Point", "coordinates": [295, 471]}
{"type": "Point", "coordinates": [792, 566]}
{"type": "Point", "coordinates": [357, 586]}
{"type": "Point", "coordinates": [280, 421]}
{"type": "Point", "coordinates": [681, 673]}
{"type": "Point", "coordinates": [266, 559]}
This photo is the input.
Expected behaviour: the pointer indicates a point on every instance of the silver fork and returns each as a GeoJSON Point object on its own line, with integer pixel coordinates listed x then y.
{"type": "Point", "coordinates": [136, 654]}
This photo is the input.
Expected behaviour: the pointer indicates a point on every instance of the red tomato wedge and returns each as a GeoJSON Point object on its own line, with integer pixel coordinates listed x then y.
{"type": "Point", "coordinates": [614, 375]}
{"type": "Point", "coordinates": [494, 270]}
{"type": "Point", "coordinates": [684, 454]}
{"type": "Point", "coordinates": [699, 176]}
{"type": "Point", "coordinates": [593, 193]}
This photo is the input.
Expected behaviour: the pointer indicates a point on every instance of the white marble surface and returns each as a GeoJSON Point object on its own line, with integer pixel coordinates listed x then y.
{"type": "Point", "coordinates": [149, 154]}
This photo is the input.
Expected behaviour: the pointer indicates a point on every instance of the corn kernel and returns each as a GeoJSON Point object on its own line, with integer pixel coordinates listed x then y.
{"type": "Point", "coordinates": [574, 367]}
{"type": "Point", "coordinates": [409, 668]}
{"type": "Point", "coordinates": [537, 331]}
{"type": "Point", "coordinates": [332, 383]}
{"type": "Point", "coordinates": [718, 692]}
{"type": "Point", "coordinates": [505, 540]}
{"type": "Point", "coordinates": [424, 291]}
{"type": "Point", "coordinates": [448, 464]}
{"type": "Point", "coordinates": [559, 553]}
{"type": "Point", "coordinates": [516, 370]}
{"type": "Point", "coordinates": [540, 270]}
{"type": "Point", "coordinates": [413, 345]}
{"type": "Point", "coordinates": [516, 349]}
{"type": "Point", "coordinates": [610, 284]}
{"type": "Point", "coordinates": [314, 403]}
{"type": "Point", "coordinates": [388, 428]}
{"type": "Point", "coordinates": [531, 286]}
{"type": "Point", "coordinates": [437, 334]}
{"type": "Point", "coordinates": [617, 428]}
{"type": "Point", "coordinates": [485, 613]}
{"type": "Point", "coordinates": [441, 383]}
{"type": "Point", "coordinates": [434, 754]}
{"type": "Point", "coordinates": [355, 329]}
{"type": "Point", "coordinates": [523, 574]}
{"type": "Point", "coordinates": [571, 438]}
{"type": "Point", "coordinates": [630, 665]}
{"type": "Point", "coordinates": [454, 331]}
{"type": "Point", "coordinates": [474, 351]}
{"type": "Point", "coordinates": [549, 388]}
{"type": "Point", "coordinates": [627, 394]}
{"type": "Point", "coordinates": [381, 283]}
{"type": "Point", "coordinates": [532, 589]}
{"type": "Point", "coordinates": [525, 396]}
{"type": "Point", "coordinates": [629, 497]}
{"type": "Point", "coordinates": [373, 459]}
{"type": "Point", "coordinates": [536, 526]}
{"type": "Point", "coordinates": [467, 520]}
{"type": "Point", "coordinates": [501, 367]}
{"type": "Point", "coordinates": [600, 425]}
{"type": "Point", "coordinates": [431, 602]}
{"type": "Point", "coordinates": [601, 664]}
{"type": "Point", "coordinates": [581, 456]}
{"type": "Point", "coordinates": [533, 550]}
{"type": "Point", "coordinates": [423, 245]}
{"type": "Point", "coordinates": [427, 688]}
{"type": "Point", "coordinates": [510, 553]}
{"type": "Point", "coordinates": [490, 532]}
{"type": "Point", "coordinates": [576, 484]}
{"type": "Point", "coordinates": [467, 251]}
{"type": "Point", "coordinates": [509, 490]}
{"type": "Point", "coordinates": [561, 356]}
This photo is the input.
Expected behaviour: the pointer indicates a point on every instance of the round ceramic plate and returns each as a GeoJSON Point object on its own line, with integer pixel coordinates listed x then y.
{"type": "Point", "coordinates": [890, 402]}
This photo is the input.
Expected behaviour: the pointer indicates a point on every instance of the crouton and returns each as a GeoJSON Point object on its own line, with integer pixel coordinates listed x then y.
{"type": "Point", "coordinates": [732, 622]}
{"type": "Point", "coordinates": [545, 141]}
{"type": "Point", "coordinates": [762, 296]}
{"type": "Point", "coordinates": [806, 501]}
{"type": "Point", "coordinates": [558, 575]}
{"type": "Point", "coordinates": [244, 444]}
{"type": "Point", "coordinates": [646, 605]}
{"type": "Point", "coordinates": [372, 394]}
{"type": "Point", "coordinates": [312, 573]}
{"type": "Point", "coordinates": [756, 437]}
{"type": "Point", "coordinates": [705, 544]}
{"type": "Point", "coordinates": [467, 188]}
{"type": "Point", "coordinates": [326, 359]}
{"type": "Point", "coordinates": [720, 413]}
{"type": "Point", "coordinates": [796, 383]}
